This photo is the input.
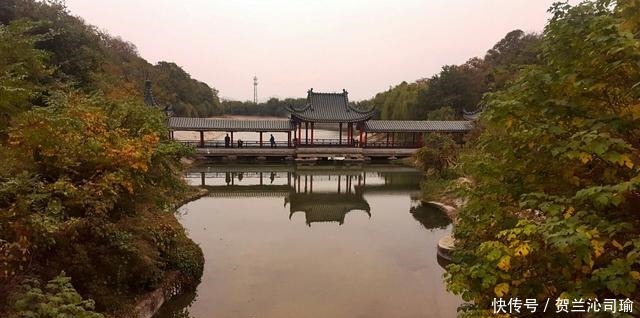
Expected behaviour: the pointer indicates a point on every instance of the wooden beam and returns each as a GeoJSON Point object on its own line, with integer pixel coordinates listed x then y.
{"type": "Point", "coordinates": [289, 138]}
{"type": "Point", "coordinates": [340, 134]}
{"type": "Point", "coordinates": [261, 147]}
{"type": "Point", "coordinates": [201, 139]}
{"type": "Point", "coordinates": [312, 132]}
{"type": "Point", "coordinates": [231, 140]}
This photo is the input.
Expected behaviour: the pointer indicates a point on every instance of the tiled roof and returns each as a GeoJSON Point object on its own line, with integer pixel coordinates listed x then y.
{"type": "Point", "coordinates": [214, 124]}
{"type": "Point", "coordinates": [418, 126]}
{"type": "Point", "coordinates": [474, 115]}
{"type": "Point", "coordinates": [329, 108]}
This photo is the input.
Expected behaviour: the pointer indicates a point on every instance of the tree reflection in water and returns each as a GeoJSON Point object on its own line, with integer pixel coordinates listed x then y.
{"type": "Point", "coordinates": [430, 216]}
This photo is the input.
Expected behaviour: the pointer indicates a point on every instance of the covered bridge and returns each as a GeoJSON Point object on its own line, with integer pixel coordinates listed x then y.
{"type": "Point", "coordinates": [354, 127]}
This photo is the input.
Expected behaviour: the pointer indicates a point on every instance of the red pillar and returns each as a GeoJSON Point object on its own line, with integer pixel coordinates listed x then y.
{"type": "Point", "coordinates": [299, 133]}
{"type": "Point", "coordinates": [201, 139]}
{"type": "Point", "coordinates": [312, 132]}
{"type": "Point", "coordinates": [393, 138]}
{"type": "Point", "coordinates": [306, 132]}
{"type": "Point", "coordinates": [289, 139]}
{"type": "Point", "coordinates": [260, 139]}
{"type": "Point", "coordinates": [360, 143]}
{"type": "Point", "coordinates": [365, 139]}
{"type": "Point", "coordinates": [340, 134]}
{"type": "Point", "coordinates": [387, 140]}
{"type": "Point", "coordinates": [231, 139]}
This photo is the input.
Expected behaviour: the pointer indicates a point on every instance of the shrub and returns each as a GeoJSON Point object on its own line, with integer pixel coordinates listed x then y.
{"type": "Point", "coordinates": [57, 299]}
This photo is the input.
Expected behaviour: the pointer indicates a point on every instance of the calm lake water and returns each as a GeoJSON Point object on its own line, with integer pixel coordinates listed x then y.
{"type": "Point", "coordinates": [314, 241]}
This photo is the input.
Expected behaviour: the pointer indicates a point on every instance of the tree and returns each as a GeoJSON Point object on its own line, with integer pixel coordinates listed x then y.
{"type": "Point", "coordinates": [24, 72]}
{"type": "Point", "coordinates": [552, 210]}
{"type": "Point", "coordinates": [516, 50]}
{"type": "Point", "coordinates": [460, 87]}
{"type": "Point", "coordinates": [443, 113]}
{"type": "Point", "coordinates": [84, 188]}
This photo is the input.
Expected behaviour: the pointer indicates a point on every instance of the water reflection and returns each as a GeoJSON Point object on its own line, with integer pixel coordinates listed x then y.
{"type": "Point", "coordinates": [430, 216]}
{"type": "Point", "coordinates": [342, 189]}
{"type": "Point", "coordinates": [326, 207]}
{"type": "Point", "coordinates": [314, 241]}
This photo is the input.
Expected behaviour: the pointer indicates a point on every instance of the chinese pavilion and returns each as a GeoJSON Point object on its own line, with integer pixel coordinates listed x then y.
{"type": "Point", "coordinates": [329, 108]}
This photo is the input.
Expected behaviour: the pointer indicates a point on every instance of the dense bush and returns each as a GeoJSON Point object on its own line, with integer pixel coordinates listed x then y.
{"type": "Point", "coordinates": [554, 196]}
{"type": "Point", "coordinates": [439, 154]}
{"type": "Point", "coordinates": [57, 299]}
{"type": "Point", "coordinates": [84, 184]}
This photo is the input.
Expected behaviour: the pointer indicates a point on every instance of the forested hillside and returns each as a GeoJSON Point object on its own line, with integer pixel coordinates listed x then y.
{"type": "Point", "coordinates": [89, 177]}
{"type": "Point", "coordinates": [459, 87]}
{"type": "Point", "coordinates": [77, 55]}
{"type": "Point", "coordinates": [273, 107]}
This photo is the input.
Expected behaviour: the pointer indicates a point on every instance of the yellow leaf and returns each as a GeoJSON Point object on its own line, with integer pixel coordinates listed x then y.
{"type": "Point", "coordinates": [523, 249]}
{"type": "Point", "coordinates": [598, 248]}
{"type": "Point", "coordinates": [626, 161]}
{"type": "Point", "coordinates": [501, 289]}
{"type": "Point", "coordinates": [585, 157]}
{"type": "Point", "coordinates": [505, 263]}
{"type": "Point", "coordinates": [617, 245]}
{"type": "Point", "coordinates": [509, 121]}
{"type": "Point", "coordinates": [635, 275]}
{"type": "Point", "coordinates": [569, 212]}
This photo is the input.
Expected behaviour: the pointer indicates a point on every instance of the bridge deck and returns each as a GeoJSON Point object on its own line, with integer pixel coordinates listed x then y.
{"type": "Point", "coordinates": [307, 152]}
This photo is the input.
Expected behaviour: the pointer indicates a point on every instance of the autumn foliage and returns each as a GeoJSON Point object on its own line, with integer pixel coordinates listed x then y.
{"type": "Point", "coordinates": [553, 204]}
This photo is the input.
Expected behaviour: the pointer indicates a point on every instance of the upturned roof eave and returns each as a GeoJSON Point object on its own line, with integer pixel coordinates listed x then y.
{"type": "Point", "coordinates": [302, 117]}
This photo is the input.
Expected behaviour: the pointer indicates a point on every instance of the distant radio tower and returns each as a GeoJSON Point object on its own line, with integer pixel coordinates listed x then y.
{"type": "Point", "coordinates": [255, 90]}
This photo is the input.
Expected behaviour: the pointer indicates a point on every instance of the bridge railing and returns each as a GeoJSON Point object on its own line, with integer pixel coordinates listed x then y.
{"type": "Point", "coordinates": [245, 144]}
{"type": "Point", "coordinates": [320, 142]}
{"type": "Point", "coordinates": [384, 144]}
{"type": "Point", "coordinates": [326, 142]}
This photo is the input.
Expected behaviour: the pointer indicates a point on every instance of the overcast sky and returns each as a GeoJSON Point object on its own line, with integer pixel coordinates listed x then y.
{"type": "Point", "coordinates": [364, 46]}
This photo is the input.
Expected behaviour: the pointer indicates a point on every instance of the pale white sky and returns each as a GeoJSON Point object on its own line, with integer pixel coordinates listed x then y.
{"type": "Point", "coordinates": [363, 46]}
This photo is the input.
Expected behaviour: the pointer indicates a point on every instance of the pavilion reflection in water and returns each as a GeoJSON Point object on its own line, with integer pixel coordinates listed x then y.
{"type": "Point", "coordinates": [322, 193]}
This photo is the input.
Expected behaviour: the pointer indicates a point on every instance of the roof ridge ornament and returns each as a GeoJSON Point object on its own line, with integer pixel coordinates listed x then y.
{"type": "Point", "coordinates": [148, 94]}
{"type": "Point", "coordinates": [346, 99]}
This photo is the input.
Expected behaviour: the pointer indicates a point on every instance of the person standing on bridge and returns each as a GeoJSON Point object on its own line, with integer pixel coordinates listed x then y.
{"type": "Point", "coordinates": [272, 140]}
{"type": "Point", "coordinates": [227, 141]}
